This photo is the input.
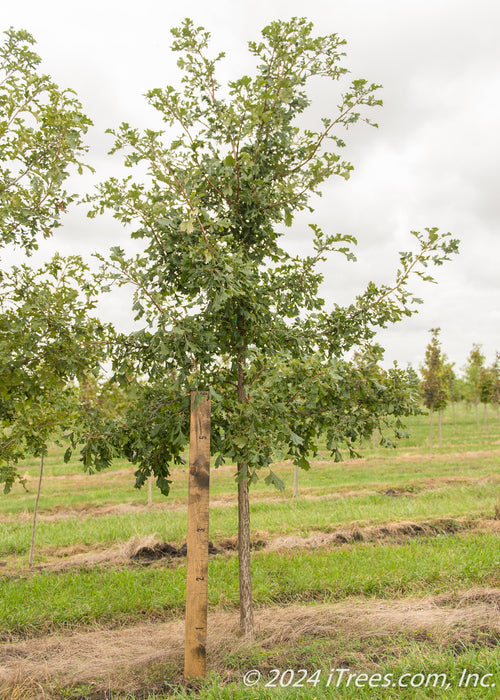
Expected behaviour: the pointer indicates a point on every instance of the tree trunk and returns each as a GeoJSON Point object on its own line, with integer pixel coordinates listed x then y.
{"type": "Point", "coordinates": [485, 418]}
{"type": "Point", "coordinates": [296, 481]}
{"type": "Point", "coordinates": [245, 574]}
{"type": "Point", "coordinates": [374, 438]}
{"type": "Point", "coordinates": [440, 430]}
{"type": "Point", "coordinates": [430, 434]}
{"type": "Point", "coordinates": [476, 404]}
{"type": "Point", "coordinates": [33, 527]}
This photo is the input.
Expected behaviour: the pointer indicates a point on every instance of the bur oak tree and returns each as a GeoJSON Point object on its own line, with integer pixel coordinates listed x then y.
{"type": "Point", "coordinates": [224, 305]}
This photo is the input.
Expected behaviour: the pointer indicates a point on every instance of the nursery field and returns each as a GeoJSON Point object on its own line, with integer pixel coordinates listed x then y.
{"type": "Point", "coordinates": [380, 580]}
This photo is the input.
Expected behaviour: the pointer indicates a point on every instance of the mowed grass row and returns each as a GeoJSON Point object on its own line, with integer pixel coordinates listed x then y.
{"type": "Point", "coordinates": [460, 482]}
{"type": "Point", "coordinates": [268, 518]}
{"type": "Point", "coordinates": [424, 667]}
{"type": "Point", "coordinates": [389, 469]}
{"type": "Point", "coordinates": [436, 674]}
{"type": "Point", "coordinates": [66, 486]}
{"type": "Point", "coordinates": [35, 604]}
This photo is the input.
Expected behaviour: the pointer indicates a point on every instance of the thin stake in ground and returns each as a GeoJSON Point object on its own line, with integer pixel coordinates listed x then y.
{"type": "Point", "coordinates": [35, 511]}
{"type": "Point", "coordinates": [197, 542]}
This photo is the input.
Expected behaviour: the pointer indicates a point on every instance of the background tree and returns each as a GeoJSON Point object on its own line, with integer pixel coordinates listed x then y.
{"type": "Point", "coordinates": [456, 392]}
{"type": "Point", "coordinates": [495, 367]}
{"type": "Point", "coordinates": [41, 132]}
{"type": "Point", "coordinates": [48, 343]}
{"type": "Point", "coordinates": [487, 389]}
{"type": "Point", "coordinates": [47, 340]}
{"type": "Point", "coordinates": [472, 377]}
{"type": "Point", "coordinates": [436, 380]}
{"type": "Point", "coordinates": [225, 306]}
{"type": "Point", "coordinates": [414, 383]}
{"type": "Point", "coordinates": [449, 379]}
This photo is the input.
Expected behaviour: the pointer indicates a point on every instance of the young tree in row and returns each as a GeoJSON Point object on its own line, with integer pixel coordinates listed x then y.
{"type": "Point", "coordinates": [472, 377]}
{"type": "Point", "coordinates": [489, 386]}
{"type": "Point", "coordinates": [41, 138]}
{"type": "Point", "coordinates": [456, 392]}
{"type": "Point", "coordinates": [437, 378]}
{"type": "Point", "coordinates": [48, 342]}
{"type": "Point", "coordinates": [495, 367]}
{"type": "Point", "coordinates": [225, 305]}
{"type": "Point", "coordinates": [47, 339]}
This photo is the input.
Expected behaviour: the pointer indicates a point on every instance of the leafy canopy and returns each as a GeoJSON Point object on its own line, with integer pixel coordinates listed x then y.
{"type": "Point", "coordinates": [48, 343]}
{"type": "Point", "coordinates": [224, 304]}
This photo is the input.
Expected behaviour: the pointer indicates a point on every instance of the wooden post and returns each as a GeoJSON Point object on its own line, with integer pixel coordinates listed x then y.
{"type": "Point", "coordinates": [197, 543]}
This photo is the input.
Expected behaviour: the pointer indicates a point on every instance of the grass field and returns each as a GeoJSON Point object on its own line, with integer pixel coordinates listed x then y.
{"type": "Point", "coordinates": [388, 566]}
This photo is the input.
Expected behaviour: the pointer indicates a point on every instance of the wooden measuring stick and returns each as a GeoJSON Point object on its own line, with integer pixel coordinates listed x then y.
{"type": "Point", "coordinates": [195, 656]}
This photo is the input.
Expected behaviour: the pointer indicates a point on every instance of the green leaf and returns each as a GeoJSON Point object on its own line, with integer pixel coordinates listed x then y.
{"type": "Point", "coordinates": [273, 479]}
{"type": "Point", "coordinates": [187, 226]}
{"type": "Point", "coordinates": [303, 463]}
{"type": "Point", "coordinates": [215, 395]}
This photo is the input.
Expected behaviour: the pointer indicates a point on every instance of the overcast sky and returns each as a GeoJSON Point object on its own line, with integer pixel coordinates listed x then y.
{"type": "Point", "coordinates": [433, 161]}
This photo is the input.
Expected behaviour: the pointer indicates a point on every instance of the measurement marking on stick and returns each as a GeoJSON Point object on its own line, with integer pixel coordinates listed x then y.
{"type": "Point", "coordinates": [197, 544]}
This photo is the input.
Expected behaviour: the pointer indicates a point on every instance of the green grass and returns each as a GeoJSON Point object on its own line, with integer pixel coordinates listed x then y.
{"type": "Point", "coordinates": [53, 600]}
{"type": "Point", "coordinates": [398, 657]}
{"type": "Point", "coordinates": [460, 482]}
{"type": "Point", "coordinates": [402, 661]}
{"type": "Point", "coordinates": [273, 517]}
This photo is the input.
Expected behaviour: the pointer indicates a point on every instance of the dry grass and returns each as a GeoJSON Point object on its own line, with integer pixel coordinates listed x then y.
{"type": "Point", "coordinates": [400, 531]}
{"type": "Point", "coordinates": [81, 556]}
{"type": "Point", "coordinates": [121, 657]}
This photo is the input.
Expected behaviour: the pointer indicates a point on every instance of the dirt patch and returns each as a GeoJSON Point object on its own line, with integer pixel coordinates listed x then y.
{"type": "Point", "coordinates": [139, 550]}
{"type": "Point", "coordinates": [164, 549]}
{"type": "Point", "coordinates": [120, 658]}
